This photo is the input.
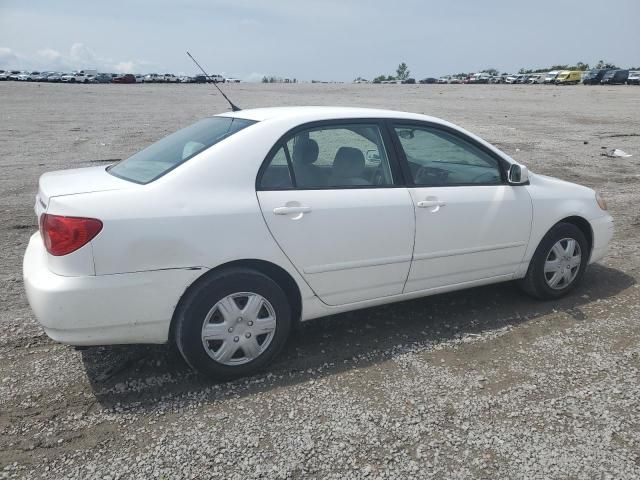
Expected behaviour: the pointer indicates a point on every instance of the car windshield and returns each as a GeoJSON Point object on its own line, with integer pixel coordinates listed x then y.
{"type": "Point", "coordinates": [175, 149]}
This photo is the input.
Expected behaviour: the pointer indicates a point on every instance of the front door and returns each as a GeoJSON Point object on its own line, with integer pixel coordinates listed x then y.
{"type": "Point", "coordinates": [330, 200]}
{"type": "Point", "coordinates": [470, 224]}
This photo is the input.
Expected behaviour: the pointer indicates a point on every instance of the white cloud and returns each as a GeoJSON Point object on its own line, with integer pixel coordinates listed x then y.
{"type": "Point", "coordinates": [7, 56]}
{"type": "Point", "coordinates": [79, 57]}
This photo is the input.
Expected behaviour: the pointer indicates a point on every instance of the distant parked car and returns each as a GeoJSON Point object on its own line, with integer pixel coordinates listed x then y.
{"type": "Point", "coordinates": [52, 77]}
{"type": "Point", "coordinates": [482, 78]}
{"type": "Point", "coordinates": [237, 80]}
{"type": "Point", "coordinates": [535, 78]}
{"type": "Point", "coordinates": [217, 78]}
{"type": "Point", "coordinates": [3, 75]}
{"type": "Point", "coordinates": [569, 77]}
{"type": "Point", "coordinates": [34, 76]}
{"type": "Point", "coordinates": [429, 80]}
{"type": "Point", "coordinates": [103, 78]}
{"type": "Point", "coordinates": [634, 78]}
{"type": "Point", "coordinates": [186, 79]}
{"type": "Point", "coordinates": [408, 81]}
{"type": "Point", "coordinates": [615, 77]}
{"type": "Point", "coordinates": [127, 78]}
{"type": "Point", "coordinates": [523, 79]}
{"type": "Point", "coordinates": [75, 77]}
{"type": "Point", "coordinates": [550, 77]}
{"type": "Point", "coordinates": [594, 76]}
{"type": "Point", "coordinates": [170, 78]}
{"type": "Point", "coordinates": [14, 74]}
{"type": "Point", "coordinates": [153, 78]}
{"type": "Point", "coordinates": [41, 77]}
{"type": "Point", "coordinates": [139, 78]}
{"type": "Point", "coordinates": [23, 77]}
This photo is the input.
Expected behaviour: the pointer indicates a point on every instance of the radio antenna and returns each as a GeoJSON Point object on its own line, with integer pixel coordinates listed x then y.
{"type": "Point", "coordinates": [234, 108]}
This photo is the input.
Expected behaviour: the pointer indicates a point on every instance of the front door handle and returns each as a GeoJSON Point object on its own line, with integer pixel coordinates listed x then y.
{"type": "Point", "coordinates": [291, 210]}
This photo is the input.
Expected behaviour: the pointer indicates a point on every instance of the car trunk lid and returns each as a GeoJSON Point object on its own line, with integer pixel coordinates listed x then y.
{"type": "Point", "coordinates": [76, 181]}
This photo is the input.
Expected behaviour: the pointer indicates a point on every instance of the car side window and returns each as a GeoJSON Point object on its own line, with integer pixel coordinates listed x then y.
{"type": "Point", "coordinates": [439, 158]}
{"type": "Point", "coordinates": [277, 175]}
{"type": "Point", "coordinates": [332, 156]}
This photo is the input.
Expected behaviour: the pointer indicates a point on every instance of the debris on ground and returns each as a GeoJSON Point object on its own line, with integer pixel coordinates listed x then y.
{"type": "Point", "coordinates": [616, 153]}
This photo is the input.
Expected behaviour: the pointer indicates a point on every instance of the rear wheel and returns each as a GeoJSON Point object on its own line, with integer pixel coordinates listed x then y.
{"type": "Point", "coordinates": [233, 323]}
{"type": "Point", "coordinates": [558, 263]}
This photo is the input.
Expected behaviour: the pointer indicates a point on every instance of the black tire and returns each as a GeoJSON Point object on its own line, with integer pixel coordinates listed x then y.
{"type": "Point", "coordinates": [201, 298]}
{"type": "Point", "coordinates": [534, 283]}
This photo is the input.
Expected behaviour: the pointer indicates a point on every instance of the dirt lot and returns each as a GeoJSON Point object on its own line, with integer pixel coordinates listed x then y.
{"type": "Point", "coordinates": [485, 383]}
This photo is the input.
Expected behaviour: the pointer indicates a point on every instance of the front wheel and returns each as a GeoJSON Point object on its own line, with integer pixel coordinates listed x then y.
{"type": "Point", "coordinates": [558, 263]}
{"type": "Point", "coordinates": [233, 323]}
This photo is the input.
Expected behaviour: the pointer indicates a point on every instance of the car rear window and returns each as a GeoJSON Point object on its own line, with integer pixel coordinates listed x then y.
{"type": "Point", "coordinates": [163, 156]}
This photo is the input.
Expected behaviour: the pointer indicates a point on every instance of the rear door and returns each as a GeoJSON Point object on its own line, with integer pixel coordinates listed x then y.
{"type": "Point", "coordinates": [332, 198]}
{"type": "Point", "coordinates": [470, 224]}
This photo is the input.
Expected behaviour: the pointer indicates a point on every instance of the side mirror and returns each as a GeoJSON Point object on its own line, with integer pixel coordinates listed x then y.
{"type": "Point", "coordinates": [518, 174]}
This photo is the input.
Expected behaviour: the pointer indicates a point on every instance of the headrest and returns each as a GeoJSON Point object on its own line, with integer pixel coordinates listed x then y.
{"type": "Point", "coordinates": [349, 162]}
{"type": "Point", "coordinates": [305, 152]}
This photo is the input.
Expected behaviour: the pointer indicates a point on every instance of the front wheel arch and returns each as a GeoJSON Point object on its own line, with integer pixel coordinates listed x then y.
{"type": "Point", "coordinates": [584, 226]}
{"type": "Point", "coordinates": [271, 270]}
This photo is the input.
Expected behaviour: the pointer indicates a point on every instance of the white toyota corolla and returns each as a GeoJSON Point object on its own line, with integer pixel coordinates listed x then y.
{"type": "Point", "coordinates": [224, 234]}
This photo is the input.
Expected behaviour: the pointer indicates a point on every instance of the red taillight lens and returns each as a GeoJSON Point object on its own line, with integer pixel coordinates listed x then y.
{"type": "Point", "coordinates": [63, 235]}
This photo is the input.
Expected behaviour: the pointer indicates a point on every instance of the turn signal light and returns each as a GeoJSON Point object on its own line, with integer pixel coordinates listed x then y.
{"type": "Point", "coordinates": [601, 203]}
{"type": "Point", "coordinates": [63, 235]}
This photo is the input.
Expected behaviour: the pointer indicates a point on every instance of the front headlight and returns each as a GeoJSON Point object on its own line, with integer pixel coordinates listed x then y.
{"type": "Point", "coordinates": [601, 203]}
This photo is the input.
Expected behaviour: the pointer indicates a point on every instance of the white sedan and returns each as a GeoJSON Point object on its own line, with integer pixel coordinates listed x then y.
{"type": "Point", "coordinates": [223, 235]}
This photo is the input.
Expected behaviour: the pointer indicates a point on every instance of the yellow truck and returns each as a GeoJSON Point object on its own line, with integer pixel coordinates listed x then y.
{"type": "Point", "coordinates": [569, 77]}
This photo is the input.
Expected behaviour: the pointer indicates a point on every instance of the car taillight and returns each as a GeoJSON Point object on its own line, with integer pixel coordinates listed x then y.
{"type": "Point", "coordinates": [63, 235]}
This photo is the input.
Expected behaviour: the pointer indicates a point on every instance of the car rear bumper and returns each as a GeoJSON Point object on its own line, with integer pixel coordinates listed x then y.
{"type": "Point", "coordinates": [105, 309]}
{"type": "Point", "coordinates": [602, 234]}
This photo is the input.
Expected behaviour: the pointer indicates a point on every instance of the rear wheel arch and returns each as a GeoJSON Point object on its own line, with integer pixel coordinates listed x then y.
{"type": "Point", "coordinates": [271, 270]}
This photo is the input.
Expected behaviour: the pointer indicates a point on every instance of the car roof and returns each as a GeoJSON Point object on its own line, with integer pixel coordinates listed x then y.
{"type": "Point", "coordinates": [313, 113]}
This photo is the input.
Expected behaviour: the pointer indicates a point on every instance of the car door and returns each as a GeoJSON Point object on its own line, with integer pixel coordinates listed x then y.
{"type": "Point", "coordinates": [471, 224]}
{"type": "Point", "coordinates": [332, 198]}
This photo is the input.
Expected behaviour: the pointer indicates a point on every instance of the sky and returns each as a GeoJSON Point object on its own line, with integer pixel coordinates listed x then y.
{"type": "Point", "coordinates": [329, 40]}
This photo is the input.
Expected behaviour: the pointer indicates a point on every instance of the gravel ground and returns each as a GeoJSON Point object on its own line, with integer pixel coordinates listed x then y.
{"type": "Point", "coordinates": [485, 383]}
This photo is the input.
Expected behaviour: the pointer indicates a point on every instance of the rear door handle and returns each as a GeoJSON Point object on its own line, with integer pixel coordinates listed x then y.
{"type": "Point", "coordinates": [431, 203]}
{"type": "Point", "coordinates": [291, 210]}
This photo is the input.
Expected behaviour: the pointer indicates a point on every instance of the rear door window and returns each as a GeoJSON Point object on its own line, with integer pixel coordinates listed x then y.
{"type": "Point", "coordinates": [330, 156]}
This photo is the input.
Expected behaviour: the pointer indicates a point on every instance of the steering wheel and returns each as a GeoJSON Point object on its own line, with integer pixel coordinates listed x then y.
{"type": "Point", "coordinates": [431, 176]}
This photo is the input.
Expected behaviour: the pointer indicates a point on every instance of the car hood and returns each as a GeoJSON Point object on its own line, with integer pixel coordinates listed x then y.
{"type": "Point", "coordinates": [76, 181]}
